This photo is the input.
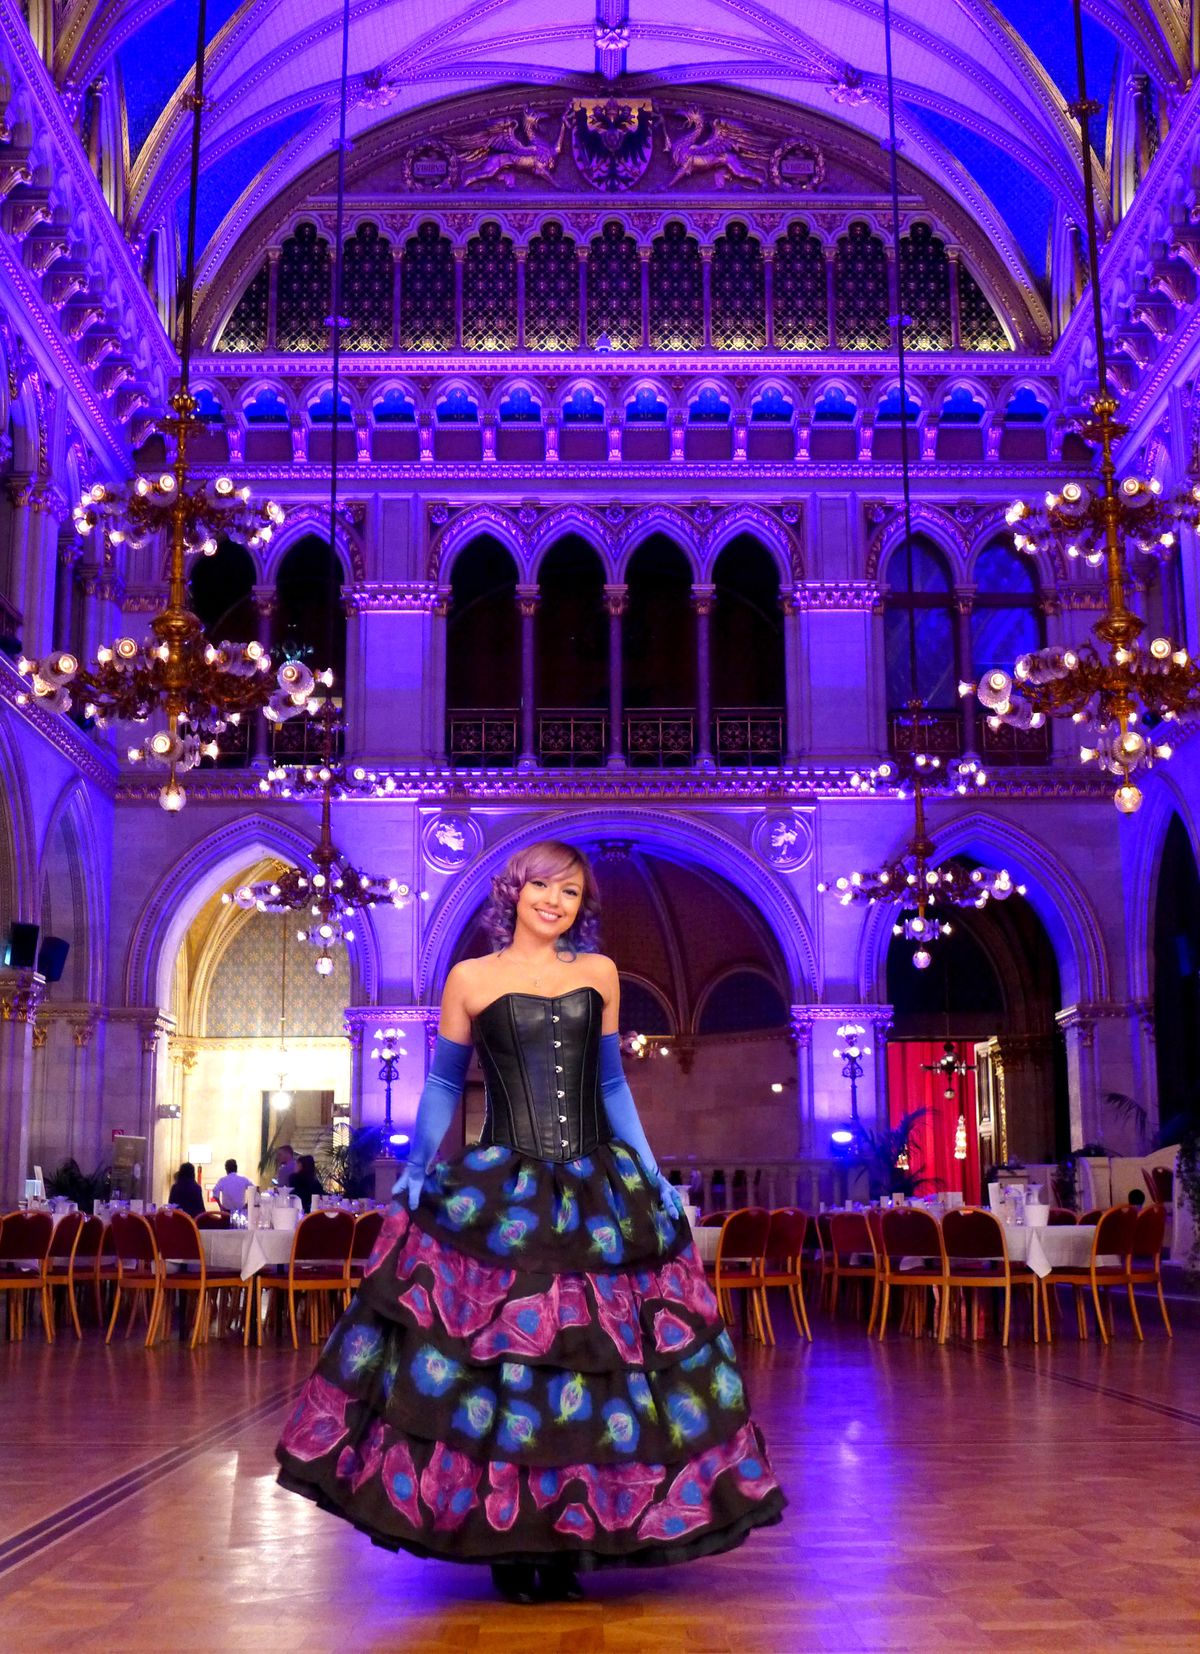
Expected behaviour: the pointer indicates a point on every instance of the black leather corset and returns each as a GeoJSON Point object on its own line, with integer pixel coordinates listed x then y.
{"type": "Point", "coordinates": [541, 1064]}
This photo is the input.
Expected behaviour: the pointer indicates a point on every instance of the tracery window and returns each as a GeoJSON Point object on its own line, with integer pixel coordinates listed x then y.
{"type": "Point", "coordinates": [614, 288]}
{"type": "Point", "coordinates": [925, 289]}
{"type": "Point", "coordinates": [861, 290]}
{"type": "Point", "coordinates": [919, 616]}
{"type": "Point", "coordinates": [367, 282]}
{"type": "Point", "coordinates": [490, 291]}
{"type": "Point", "coordinates": [979, 325]}
{"type": "Point", "coordinates": [305, 271]}
{"type": "Point", "coordinates": [738, 291]}
{"type": "Point", "coordinates": [245, 333]}
{"type": "Point", "coordinates": [427, 291]}
{"type": "Point", "coordinates": [1006, 616]}
{"type": "Point", "coordinates": [552, 291]}
{"type": "Point", "coordinates": [676, 291]}
{"type": "Point", "coordinates": [801, 304]}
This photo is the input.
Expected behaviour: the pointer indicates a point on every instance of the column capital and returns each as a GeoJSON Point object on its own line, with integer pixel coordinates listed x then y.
{"type": "Point", "coordinates": [616, 599]}
{"type": "Point", "coordinates": [21, 995]}
{"type": "Point", "coordinates": [703, 596]}
{"type": "Point", "coordinates": [528, 597]}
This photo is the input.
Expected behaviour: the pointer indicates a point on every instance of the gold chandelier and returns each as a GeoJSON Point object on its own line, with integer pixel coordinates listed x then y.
{"type": "Point", "coordinates": [1117, 689]}
{"type": "Point", "coordinates": [190, 688]}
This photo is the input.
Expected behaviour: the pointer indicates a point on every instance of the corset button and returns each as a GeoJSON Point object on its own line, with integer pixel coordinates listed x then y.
{"type": "Point", "coordinates": [558, 1045]}
{"type": "Point", "coordinates": [558, 1068]}
{"type": "Point", "coordinates": [562, 1094]}
{"type": "Point", "coordinates": [553, 1019]}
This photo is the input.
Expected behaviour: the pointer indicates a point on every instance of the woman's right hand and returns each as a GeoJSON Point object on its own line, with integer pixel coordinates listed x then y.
{"type": "Point", "coordinates": [409, 1184]}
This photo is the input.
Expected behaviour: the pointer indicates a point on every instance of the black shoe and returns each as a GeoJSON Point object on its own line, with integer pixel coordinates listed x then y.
{"type": "Point", "coordinates": [559, 1582]}
{"type": "Point", "coordinates": [515, 1581]}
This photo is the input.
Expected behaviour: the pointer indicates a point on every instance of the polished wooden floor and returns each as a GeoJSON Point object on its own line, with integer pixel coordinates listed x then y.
{"type": "Point", "coordinates": [958, 1497]}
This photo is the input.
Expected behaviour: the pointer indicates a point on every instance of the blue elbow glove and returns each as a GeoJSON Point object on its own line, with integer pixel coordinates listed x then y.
{"type": "Point", "coordinates": [439, 1099]}
{"type": "Point", "coordinates": [623, 1118]}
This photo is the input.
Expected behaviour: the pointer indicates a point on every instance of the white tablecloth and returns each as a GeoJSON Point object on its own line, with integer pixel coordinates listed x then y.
{"type": "Point", "coordinates": [246, 1250]}
{"type": "Point", "coordinates": [706, 1242]}
{"type": "Point", "coordinates": [1063, 1246]}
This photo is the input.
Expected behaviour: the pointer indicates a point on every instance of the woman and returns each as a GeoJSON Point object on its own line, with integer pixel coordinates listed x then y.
{"type": "Point", "coordinates": [186, 1193]}
{"type": "Point", "coordinates": [534, 1373]}
{"type": "Point", "coordinates": [305, 1182]}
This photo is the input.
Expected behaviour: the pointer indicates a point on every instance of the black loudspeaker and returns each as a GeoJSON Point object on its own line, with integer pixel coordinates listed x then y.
{"type": "Point", "coordinates": [21, 953]}
{"type": "Point", "coordinates": [52, 958]}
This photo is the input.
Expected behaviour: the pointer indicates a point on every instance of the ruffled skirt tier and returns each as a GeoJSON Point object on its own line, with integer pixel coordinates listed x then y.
{"type": "Point", "coordinates": [534, 1367]}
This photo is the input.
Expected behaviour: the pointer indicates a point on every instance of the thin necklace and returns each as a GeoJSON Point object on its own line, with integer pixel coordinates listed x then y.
{"type": "Point", "coordinates": [536, 980]}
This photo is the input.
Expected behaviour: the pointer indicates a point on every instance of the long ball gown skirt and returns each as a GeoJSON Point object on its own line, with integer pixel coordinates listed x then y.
{"type": "Point", "coordinates": [534, 1369]}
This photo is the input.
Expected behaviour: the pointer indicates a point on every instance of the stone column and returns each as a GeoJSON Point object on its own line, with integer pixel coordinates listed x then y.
{"type": "Point", "coordinates": [425, 438]}
{"type": "Point", "coordinates": [1107, 1052]}
{"type": "Point", "coordinates": [435, 744]}
{"type": "Point", "coordinates": [21, 993]}
{"type": "Point", "coordinates": [460, 258]}
{"type": "Point", "coordinates": [830, 298]}
{"type": "Point", "coordinates": [550, 432]}
{"type": "Point", "coordinates": [265, 607]}
{"type": "Point", "coordinates": [581, 253]}
{"type": "Point", "coordinates": [22, 492]}
{"type": "Point", "coordinates": [706, 260]}
{"type": "Point", "coordinates": [678, 436]}
{"type": "Point", "coordinates": [740, 440]}
{"type": "Point", "coordinates": [893, 281]}
{"type": "Point", "coordinates": [954, 257]}
{"type": "Point", "coordinates": [964, 601]}
{"type": "Point", "coordinates": [768, 258]}
{"type": "Point", "coordinates": [644, 255]}
{"type": "Point", "coordinates": [527, 602]}
{"type": "Point", "coordinates": [397, 292]}
{"type": "Point", "coordinates": [793, 678]}
{"type": "Point", "coordinates": [273, 255]}
{"type": "Point", "coordinates": [614, 425]}
{"type": "Point", "coordinates": [487, 437]}
{"type": "Point", "coordinates": [522, 257]}
{"type": "Point", "coordinates": [800, 1032]}
{"type": "Point", "coordinates": [702, 603]}
{"type": "Point", "coordinates": [62, 628]}
{"type": "Point", "coordinates": [1027, 1063]}
{"type": "Point", "coordinates": [616, 601]}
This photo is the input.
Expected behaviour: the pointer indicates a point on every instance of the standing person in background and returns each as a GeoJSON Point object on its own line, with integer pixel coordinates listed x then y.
{"type": "Point", "coordinates": [186, 1193]}
{"type": "Point", "coordinates": [286, 1165]}
{"type": "Point", "coordinates": [229, 1191]}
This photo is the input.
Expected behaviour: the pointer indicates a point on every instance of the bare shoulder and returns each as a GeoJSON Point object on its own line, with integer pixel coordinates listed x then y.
{"type": "Point", "coordinates": [603, 971]}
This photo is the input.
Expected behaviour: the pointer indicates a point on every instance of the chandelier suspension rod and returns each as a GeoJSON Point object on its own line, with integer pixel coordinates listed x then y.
{"type": "Point", "coordinates": [337, 285]}
{"type": "Point", "coordinates": [899, 323]}
{"type": "Point", "coordinates": [1119, 626]}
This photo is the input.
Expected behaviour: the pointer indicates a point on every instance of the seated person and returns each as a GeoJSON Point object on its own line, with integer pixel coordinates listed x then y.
{"type": "Point", "coordinates": [229, 1191]}
{"type": "Point", "coordinates": [305, 1181]}
{"type": "Point", "coordinates": [186, 1193]}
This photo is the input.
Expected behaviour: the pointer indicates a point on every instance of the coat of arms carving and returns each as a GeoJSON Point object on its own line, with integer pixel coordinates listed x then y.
{"type": "Point", "coordinates": [612, 140]}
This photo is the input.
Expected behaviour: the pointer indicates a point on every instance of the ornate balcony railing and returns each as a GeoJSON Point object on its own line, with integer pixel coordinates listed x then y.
{"type": "Point", "coordinates": [572, 738]}
{"type": "Point", "coordinates": [745, 736]}
{"type": "Point", "coordinates": [1014, 746]}
{"type": "Point", "coordinates": [941, 733]}
{"type": "Point", "coordinates": [731, 1182]}
{"type": "Point", "coordinates": [660, 737]}
{"type": "Point", "coordinates": [482, 738]}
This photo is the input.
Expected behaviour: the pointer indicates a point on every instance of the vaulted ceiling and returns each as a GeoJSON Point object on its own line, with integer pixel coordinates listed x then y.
{"type": "Point", "coordinates": [983, 84]}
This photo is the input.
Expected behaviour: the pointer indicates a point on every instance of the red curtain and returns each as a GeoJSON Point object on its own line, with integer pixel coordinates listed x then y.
{"type": "Point", "coordinates": [912, 1086]}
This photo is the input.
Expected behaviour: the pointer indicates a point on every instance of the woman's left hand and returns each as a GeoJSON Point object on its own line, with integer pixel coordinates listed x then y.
{"type": "Point", "coordinates": [669, 1193]}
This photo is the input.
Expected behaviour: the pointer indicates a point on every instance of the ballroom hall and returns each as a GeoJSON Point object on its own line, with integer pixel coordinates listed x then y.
{"type": "Point", "coordinates": [599, 832]}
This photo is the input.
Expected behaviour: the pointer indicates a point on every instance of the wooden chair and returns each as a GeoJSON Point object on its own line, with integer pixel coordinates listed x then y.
{"type": "Point", "coordinates": [366, 1232]}
{"type": "Point", "coordinates": [852, 1257]}
{"type": "Point", "coordinates": [62, 1251]}
{"type": "Point", "coordinates": [319, 1269]}
{"type": "Point", "coordinates": [739, 1265]}
{"type": "Point", "coordinates": [908, 1233]}
{"type": "Point", "coordinates": [1160, 1184]}
{"type": "Point", "coordinates": [1094, 1216]}
{"type": "Point", "coordinates": [825, 1261]}
{"type": "Point", "coordinates": [178, 1238]}
{"type": "Point", "coordinates": [1145, 1267]}
{"type": "Point", "coordinates": [1060, 1217]}
{"type": "Point", "coordinates": [977, 1260]}
{"type": "Point", "coordinates": [83, 1269]}
{"type": "Point", "coordinates": [713, 1220]}
{"type": "Point", "coordinates": [139, 1272]}
{"type": "Point", "coordinates": [25, 1240]}
{"type": "Point", "coordinates": [1114, 1237]}
{"type": "Point", "coordinates": [784, 1266]}
{"type": "Point", "coordinates": [214, 1220]}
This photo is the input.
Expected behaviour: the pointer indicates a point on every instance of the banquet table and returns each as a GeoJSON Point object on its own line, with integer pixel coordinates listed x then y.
{"type": "Point", "coordinates": [246, 1250]}
{"type": "Point", "coordinates": [1063, 1246]}
{"type": "Point", "coordinates": [706, 1242]}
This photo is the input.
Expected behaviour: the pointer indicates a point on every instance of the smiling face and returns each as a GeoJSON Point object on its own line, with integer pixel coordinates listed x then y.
{"type": "Point", "coordinates": [548, 904]}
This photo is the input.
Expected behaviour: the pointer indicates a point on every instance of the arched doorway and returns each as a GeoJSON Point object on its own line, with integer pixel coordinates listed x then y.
{"type": "Point", "coordinates": [659, 656]}
{"type": "Point", "coordinates": [571, 654]}
{"type": "Point", "coordinates": [747, 654]}
{"type": "Point", "coordinates": [1175, 940]}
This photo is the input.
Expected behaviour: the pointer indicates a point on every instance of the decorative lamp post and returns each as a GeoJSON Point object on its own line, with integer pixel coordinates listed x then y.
{"type": "Point", "coordinates": [850, 1051]}
{"type": "Point", "coordinates": [387, 1052]}
{"type": "Point", "coordinates": [952, 1068]}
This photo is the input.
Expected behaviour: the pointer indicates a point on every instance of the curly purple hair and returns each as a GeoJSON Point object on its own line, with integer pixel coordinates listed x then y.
{"type": "Point", "coordinates": [547, 860]}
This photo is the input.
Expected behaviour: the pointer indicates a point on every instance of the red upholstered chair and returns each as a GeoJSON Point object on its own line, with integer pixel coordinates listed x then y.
{"type": "Point", "coordinates": [84, 1268]}
{"type": "Point", "coordinates": [1160, 1184]}
{"type": "Point", "coordinates": [213, 1220]}
{"type": "Point", "coordinates": [319, 1270]}
{"type": "Point", "coordinates": [713, 1220]}
{"type": "Point", "coordinates": [914, 1236]}
{"type": "Point", "coordinates": [1061, 1216]}
{"type": "Point", "coordinates": [25, 1239]}
{"type": "Point", "coordinates": [138, 1272]}
{"type": "Point", "coordinates": [62, 1248]}
{"type": "Point", "coordinates": [852, 1257]}
{"type": "Point", "coordinates": [185, 1269]}
{"type": "Point", "coordinates": [825, 1259]}
{"type": "Point", "coordinates": [366, 1232]}
{"type": "Point", "coordinates": [1094, 1216]}
{"type": "Point", "coordinates": [784, 1265]}
{"type": "Point", "coordinates": [977, 1259]}
{"type": "Point", "coordinates": [741, 1249]}
{"type": "Point", "coordinates": [1146, 1260]}
{"type": "Point", "coordinates": [1114, 1237]}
